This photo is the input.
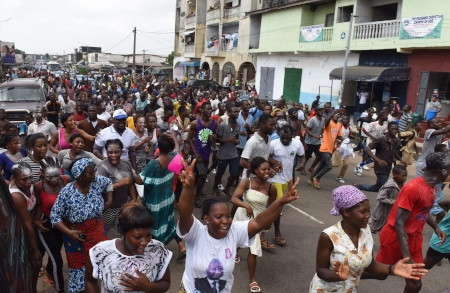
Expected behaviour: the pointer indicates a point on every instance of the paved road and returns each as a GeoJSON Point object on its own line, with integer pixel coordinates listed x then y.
{"type": "Point", "coordinates": [291, 268]}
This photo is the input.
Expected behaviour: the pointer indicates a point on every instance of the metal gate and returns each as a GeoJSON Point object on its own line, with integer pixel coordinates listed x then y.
{"type": "Point", "coordinates": [422, 94]}
{"type": "Point", "coordinates": [266, 82]}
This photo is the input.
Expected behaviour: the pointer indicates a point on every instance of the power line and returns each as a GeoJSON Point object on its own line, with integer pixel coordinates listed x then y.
{"type": "Point", "coordinates": [120, 41]}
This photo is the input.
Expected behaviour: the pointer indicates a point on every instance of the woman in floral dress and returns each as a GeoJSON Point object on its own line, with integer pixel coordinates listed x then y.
{"type": "Point", "coordinates": [77, 213]}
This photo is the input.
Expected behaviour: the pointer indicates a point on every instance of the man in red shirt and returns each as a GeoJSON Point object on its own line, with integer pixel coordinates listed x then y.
{"type": "Point", "coordinates": [401, 237]}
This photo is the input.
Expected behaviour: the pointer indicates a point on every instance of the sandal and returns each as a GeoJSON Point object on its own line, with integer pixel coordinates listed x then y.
{"type": "Point", "coordinates": [254, 287]}
{"type": "Point", "coordinates": [237, 259]}
{"type": "Point", "coordinates": [47, 280]}
{"type": "Point", "coordinates": [279, 240]}
{"type": "Point", "coordinates": [267, 245]}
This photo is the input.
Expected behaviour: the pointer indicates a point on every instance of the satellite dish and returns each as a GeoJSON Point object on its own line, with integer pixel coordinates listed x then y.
{"type": "Point", "coordinates": [182, 13]}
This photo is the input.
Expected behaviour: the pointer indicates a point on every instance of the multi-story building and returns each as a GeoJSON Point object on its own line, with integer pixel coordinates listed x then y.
{"type": "Point", "coordinates": [214, 36]}
{"type": "Point", "coordinates": [397, 48]}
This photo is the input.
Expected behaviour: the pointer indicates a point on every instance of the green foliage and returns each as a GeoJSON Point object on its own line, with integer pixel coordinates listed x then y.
{"type": "Point", "coordinates": [170, 58]}
{"type": "Point", "coordinates": [82, 70]}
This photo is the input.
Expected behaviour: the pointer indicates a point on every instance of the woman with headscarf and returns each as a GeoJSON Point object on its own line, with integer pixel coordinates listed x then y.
{"type": "Point", "coordinates": [77, 214]}
{"type": "Point", "coordinates": [344, 251]}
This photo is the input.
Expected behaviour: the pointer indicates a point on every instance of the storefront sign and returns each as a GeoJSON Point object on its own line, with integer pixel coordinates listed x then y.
{"type": "Point", "coordinates": [311, 33]}
{"type": "Point", "coordinates": [421, 27]}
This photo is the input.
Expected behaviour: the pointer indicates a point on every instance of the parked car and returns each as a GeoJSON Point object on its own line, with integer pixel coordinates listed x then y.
{"type": "Point", "coordinates": [207, 83]}
{"type": "Point", "coordinates": [15, 269]}
{"type": "Point", "coordinates": [20, 96]}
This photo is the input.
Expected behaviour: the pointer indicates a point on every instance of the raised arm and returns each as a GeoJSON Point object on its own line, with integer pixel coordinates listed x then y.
{"type": "Point", "coordinates": [186, 202]}
{"type": "Point", "coordinates": [266, 218]}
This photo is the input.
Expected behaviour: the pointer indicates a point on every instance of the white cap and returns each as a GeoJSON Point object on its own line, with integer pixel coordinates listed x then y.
{"type": "Point", "coordinates": [120, 114]}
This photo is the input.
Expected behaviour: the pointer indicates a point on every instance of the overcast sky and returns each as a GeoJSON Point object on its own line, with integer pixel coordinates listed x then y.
{"type": "Point", "coordinates": [50, 26]}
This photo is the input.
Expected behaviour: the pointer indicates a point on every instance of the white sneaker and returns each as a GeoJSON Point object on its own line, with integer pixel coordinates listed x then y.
{"type": "Point", "coordinates": [214, 171]}
{"type": "Point", "coordinates": [220, 187]}
{"type": "Point", "coordinates": [340, 180]}
{"type": "Point", "coordinates": [358, 171]}
{"type": "Point", "coordinates": [366, 168]}
{"type": "Point", "coordinates": [206, 180]}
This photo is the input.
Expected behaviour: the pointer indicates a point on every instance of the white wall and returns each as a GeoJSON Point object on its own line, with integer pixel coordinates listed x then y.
{"type": "Point", "coordinates": [315, 67]}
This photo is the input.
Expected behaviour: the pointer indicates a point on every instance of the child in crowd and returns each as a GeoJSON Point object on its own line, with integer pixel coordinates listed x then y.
{"type": "Point", "coordinates": [386, 197]}
{"type": "Point", "coordinates": [408, 139]}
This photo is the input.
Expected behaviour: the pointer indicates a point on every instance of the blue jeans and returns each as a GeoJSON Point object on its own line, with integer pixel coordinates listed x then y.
{"type": "Point", "coordinates": [381, 180]}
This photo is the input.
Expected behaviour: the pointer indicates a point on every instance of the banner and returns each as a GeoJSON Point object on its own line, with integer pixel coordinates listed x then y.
{"type": "Point", "coordinates": [311, 33]}
{"type": "Point", "coordinates": [421, 27]}
{"type": "Point", "coordinates": [8, 53]}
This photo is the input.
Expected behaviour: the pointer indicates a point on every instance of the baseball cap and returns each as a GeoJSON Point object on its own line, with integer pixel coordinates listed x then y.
{"type": "Point", "coordinates": [292, 111]}
{"type": "Point", "coordinates": [120, 114]}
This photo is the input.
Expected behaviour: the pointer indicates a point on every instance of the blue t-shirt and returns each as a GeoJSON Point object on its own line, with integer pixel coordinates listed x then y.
{"type": "Point", "coordinates": [444, 225]}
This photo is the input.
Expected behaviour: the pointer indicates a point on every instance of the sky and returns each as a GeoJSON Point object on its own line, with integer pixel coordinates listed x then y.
{"type": "Point", "coordinates": [55, 27]}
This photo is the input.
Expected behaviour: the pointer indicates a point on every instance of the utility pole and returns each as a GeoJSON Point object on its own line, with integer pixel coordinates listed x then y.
{"type": "Point", "coordinates": [134, 51]}
{"type": "Point", "coordinates": [143, 63]}
{"type": "Point", "coordinates": [347, 50]}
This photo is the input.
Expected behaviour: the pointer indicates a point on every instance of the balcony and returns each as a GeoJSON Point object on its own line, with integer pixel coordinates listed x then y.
{"type": "Point", "coordinates": [327, 34]}
{"type": "Point", "coordinates": [231, 12]}
{"type": "Point", "coordinates": [190, 21]}
{"type": "Point", "coordinates": [213, 15]}
{"type": "Point", "coordinates": [189, 48]}
{"type": "Point", "coordinates": [212, 51]}
{"type": "Point", "coordinates": [377, 30]}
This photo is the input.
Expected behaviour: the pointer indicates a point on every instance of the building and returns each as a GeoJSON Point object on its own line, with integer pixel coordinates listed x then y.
{"type": "Point", "coordinates": [214, 36]}
{"type": "Point", "coordinates": [397, 48]}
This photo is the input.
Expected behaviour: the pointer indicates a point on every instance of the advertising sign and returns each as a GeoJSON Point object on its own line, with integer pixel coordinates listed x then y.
{"type": "Point", "coordinates": [421, 27]}
{"type": "Point", "coordinates": [8, 53]}
{"type": "Point", "coordinates": [311, 33]}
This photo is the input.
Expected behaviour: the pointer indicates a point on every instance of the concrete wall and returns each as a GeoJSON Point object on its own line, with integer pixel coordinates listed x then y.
{"type": "Point", "coordinates": [315, 74]}
{"type": "Point", "coordinates": [432, 61]}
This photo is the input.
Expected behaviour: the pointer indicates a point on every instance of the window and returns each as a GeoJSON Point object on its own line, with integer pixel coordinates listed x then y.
{"type": "Point", "coordinates": [344, 13]}
{"type": "Point", "coordinates": [329, 20]}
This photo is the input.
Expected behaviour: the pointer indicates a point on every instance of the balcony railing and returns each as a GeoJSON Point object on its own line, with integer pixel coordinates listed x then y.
{"type": "Point", "coordinates": [189, 48]}
{"type": "Point", "coordinates": [230, 12]}
{"type": "Point", "coordinates": [377, 30]}
{"type": "Point", "coordinates": [190, 21]}
{"type": "Point", "coordinates": [212, 51]}
{"type": "Point", "coordinates": [327, 34]}
{"type": "Point", "coordinates": [213, 14]}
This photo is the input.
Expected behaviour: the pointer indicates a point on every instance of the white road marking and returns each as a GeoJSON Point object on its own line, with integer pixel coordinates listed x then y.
{"type": "Point", "coordinates": [305, 214]}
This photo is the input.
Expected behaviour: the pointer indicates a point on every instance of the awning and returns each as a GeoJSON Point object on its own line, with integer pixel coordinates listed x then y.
{"type": "Point", "coordinates": [187, 32]}
{"type": "Point", "coordinates": [193, 63]}
{"type": "Point", "coordinates": [372, 73]}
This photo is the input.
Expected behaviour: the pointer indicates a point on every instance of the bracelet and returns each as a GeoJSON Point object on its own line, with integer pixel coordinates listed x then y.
{"type": "Point", "coordinates": [390, 269]}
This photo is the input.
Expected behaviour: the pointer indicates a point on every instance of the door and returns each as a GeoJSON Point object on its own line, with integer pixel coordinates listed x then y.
{"type": "Point", "coordinates": [292, 83]}
{"type": "Point", "coordinates": [266, 82]}
{"type": "Point", "coordinates": [422, 95]}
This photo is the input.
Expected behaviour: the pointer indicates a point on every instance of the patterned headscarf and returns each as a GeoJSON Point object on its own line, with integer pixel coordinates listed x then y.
{"type": "Point", "coordinates": [79, 166]}
{"type": "Point", "coordinates": [345, 197]}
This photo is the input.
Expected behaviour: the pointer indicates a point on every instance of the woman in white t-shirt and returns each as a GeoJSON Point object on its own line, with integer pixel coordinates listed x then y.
{"type": "Point", "coordinates": [135, 262]}
{"type": "Point", "coordinates": [211, 248]}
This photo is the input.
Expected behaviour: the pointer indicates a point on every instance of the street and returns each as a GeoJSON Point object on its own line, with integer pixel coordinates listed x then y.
{"type": "Point", "coordinates": [291, 268]}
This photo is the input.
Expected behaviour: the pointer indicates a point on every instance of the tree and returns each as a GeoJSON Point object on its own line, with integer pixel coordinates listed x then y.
{"type": "Point", "coordinates": [170, 58]}
{"type": "Point", "coordinates": [47, 56]}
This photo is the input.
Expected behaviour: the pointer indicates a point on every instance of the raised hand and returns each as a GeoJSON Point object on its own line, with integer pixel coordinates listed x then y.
{"type": "Point", "coordinates": [291, 193]}
{"type": "Point", "coordinates": [187, 175]}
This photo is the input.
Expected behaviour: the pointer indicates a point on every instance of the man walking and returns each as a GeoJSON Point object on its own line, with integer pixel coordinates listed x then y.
{"type": "Point", "coordinates": [332, 132]}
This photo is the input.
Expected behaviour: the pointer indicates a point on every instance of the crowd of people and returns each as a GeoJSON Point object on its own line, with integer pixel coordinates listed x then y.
{"type": "Point", "coordinates": [117, 157]}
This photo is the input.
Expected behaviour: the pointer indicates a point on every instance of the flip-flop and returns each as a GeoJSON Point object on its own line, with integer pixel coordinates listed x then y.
{"type": "Point", "coordinates": [254, 287]}
{"type": "Point", "coordinates": [279, 241]}
{"type": "Point", "coordinates": [237, 259]}
{"type": "Point", "coordinates": [267, 245]}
